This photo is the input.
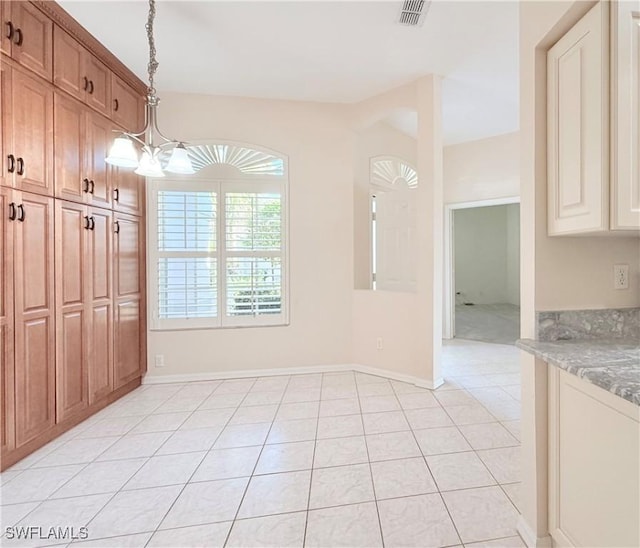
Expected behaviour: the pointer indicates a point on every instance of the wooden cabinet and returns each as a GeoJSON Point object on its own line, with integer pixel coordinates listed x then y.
{"type": "Point", "coordinates": [27, 37]}
{"type": "Point", "coordinates": [72, 290]}
{"type": "Point", "coordinates": [6, 141]}
{"type": "Point", "coordinates": [594, 438]}
{"type": "Point", "coordinates": [72, 270]}
{"type": "Point", "coordinates": [79, 73]}
{"type": "Point", "coordinates": [34, 310]}
{"type": "Point", "coordinates": [82, 139]}
{"type": "Point", "coordinates": [100, 300]}
{"type": "Point", "coordinates": [578, 125]}
{"type": "Point", "coordinates": [7, 410]}
{"type": "Point", "coordinates": [625, 124]}
{"type": "Point", "coordinates": [30, 127]}
{"type": "Point", "coordinates": [126, 108]}
{"type": "Point", "coordinates": [128, 291]}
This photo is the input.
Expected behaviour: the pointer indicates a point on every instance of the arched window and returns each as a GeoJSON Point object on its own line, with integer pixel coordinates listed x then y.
{"type": "Point", "coordinates": [389, 172]}
{"type": "Point", "coordinates": [218, 240]}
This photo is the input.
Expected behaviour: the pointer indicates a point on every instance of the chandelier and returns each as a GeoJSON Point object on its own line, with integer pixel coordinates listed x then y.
{"type": "Point", "coordinates": [155, 147]}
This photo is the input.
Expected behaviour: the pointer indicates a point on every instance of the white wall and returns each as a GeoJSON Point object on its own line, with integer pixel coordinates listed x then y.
{"type": "Point", "coordinates": [320, 145]}
{"type": "Point", "coordinates": [482, 170]}
{"type": "Point", "coordinates": [513, 253]}
{"type": "Point", "coordinates": [486, 254]}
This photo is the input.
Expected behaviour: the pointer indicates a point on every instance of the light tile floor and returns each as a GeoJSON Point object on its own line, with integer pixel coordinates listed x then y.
{"type": "Point", "coordinates": [335, 459]}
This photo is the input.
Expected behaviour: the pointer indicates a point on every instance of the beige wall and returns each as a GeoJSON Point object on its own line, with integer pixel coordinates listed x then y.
{"type": "Point", "coordinates": [320, 145]}
{"type": "Point", "coordinates": [378, 140]}
{"type": "Point", "coordinates": [482, 170]}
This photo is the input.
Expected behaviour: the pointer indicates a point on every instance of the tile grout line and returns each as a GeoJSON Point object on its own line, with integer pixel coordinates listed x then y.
{"type": "Point", "coordinates": [246, 489]}
{"type": "Point", "coordinates": [366, 444]}
{"type": "Point", "coordinates": [313, 460]}
{"type": "Point", "coordinates": [424, 458]}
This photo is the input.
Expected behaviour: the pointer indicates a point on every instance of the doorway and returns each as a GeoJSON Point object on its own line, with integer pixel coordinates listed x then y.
{"type": "Point", "coordinates": [482, 271]}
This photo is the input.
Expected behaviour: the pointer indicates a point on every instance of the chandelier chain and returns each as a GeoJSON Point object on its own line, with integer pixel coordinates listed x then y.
{"type": "Point", "coordinates": [153, 62]}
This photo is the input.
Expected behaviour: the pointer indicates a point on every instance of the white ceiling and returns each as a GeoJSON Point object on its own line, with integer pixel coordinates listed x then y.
{"type": "Point", "coordinates": [342, 51]}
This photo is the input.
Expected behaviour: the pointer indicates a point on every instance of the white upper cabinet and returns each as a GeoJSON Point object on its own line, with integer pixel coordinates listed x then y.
{"type": "Point", "coordinates": [578, 127]}
{"type": "Point", "coordinates": [625, 123]}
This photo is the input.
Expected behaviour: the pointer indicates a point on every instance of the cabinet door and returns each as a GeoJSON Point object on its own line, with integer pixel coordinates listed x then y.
{"type": "Point", "coordinates": [128, 191]}
{"type": "Point", "coordinates": [72, 268]}
{"type": "Point", "coordinates": [101, 305]}
{"type": "Point", "coordinates": [7, 435]}
{"type": "Point", "coordinates": [126, 107]}
{"type": "Point", "coordinates": [5, 18]}
{"type": "Point", "coordinates": [625, 210]}
{"type": "Point", "coordinates": [6, 140]}
{"type": "Point", "coordinates": [71, 175]}
{"type": "Point", "coordinates": [68, 64]}
{"type": "Point", "coordinates": [32, 130]}
{"type": "Point", "coordinates": [128, 257]}
{"type": "Point", "coordinates": [99, 137]}
{"type": "Point", "coordinates": [99, 92]}
{"type": "Point", "coordinates": [32, 44]}
{"type": "Point", "coordinates": [577, 124]}
{"type": "Point", "coordinates": [34, 310]}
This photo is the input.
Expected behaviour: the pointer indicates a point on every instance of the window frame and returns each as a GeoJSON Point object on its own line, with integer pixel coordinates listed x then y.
{"type": "Point", "coordinates": [221, 186]}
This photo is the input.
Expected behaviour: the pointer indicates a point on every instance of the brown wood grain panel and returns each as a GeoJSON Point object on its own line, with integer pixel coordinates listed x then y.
{"type": "Point", "coordinates": [32, 130]}
{"type": "Point", "coordinates": [69, 146]}
{"type": "Point", "coordinates": [34, 311]}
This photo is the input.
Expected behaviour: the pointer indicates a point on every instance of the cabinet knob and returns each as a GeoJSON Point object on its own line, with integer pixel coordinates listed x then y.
{"type": "Point", "coordinates": [93, 222]}
{"type": "Point", "coordinates": [10, 30]}
{"type": "Point", "coordinates": [90, 87]}
{"type": "Point", "coordinates": [116, 194]}
{"type": "Point", "coordinates": [85, 185]}
{"type": "Point", "coordinates": [116, 105]}
{"type": "Point", "coordinates": [93, 186]}
{"type": "Point", "coordinates": [86, 83]}
{"type": "Point", "coordinates": [12, 211]}
{"type": "Point", "coordinates": [116, 227]}
{"type": "Point", "coordinates": [18, 37]}
{"type": "Point", "coordinates": [87, 223]}
{"type": "Point", "coordinates": [23, 213]}
{"type": "Point", "coordinates": [11, 167]}
{"type": "Point", "coordinates": [20, 163]}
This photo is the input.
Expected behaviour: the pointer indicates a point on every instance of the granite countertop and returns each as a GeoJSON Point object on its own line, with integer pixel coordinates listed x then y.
{"type": "Point", "coordinates": [612, 364]}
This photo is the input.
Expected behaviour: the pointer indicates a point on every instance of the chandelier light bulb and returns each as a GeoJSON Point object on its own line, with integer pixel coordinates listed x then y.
{"type": "Point", "coordinates": [149, 165]}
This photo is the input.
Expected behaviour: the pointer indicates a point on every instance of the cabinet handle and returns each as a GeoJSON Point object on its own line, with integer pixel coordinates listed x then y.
{"type": "Point", "coordinates": [116, 227]}
{"type": "Point", "coordinates": [116, 105]}
{"type": "Point", "coordinates": [18, 39]}
{"type": "Point", "coordinates": [90, 87]}
{"type": "Point", "coordinates": [93, 222]}
{"type": "Point", "coordinates": [116, 194]}
{"type": "Point", "coordinates": [10, 30]}
{"type": "Point", "coordinates": [86, 83]}
{"type": "Point", "coordinates": [93, 186]}
{"type": "Point", "coordinates": [87, 223]}
{"type": "Point", "coordinates": [12, 211]}
{"type": "Point", "coordinates": [23, 213]}
{"type": "Point", "coordinates": [85, 185]}
{"type": "Point", "coordinates": [12, 163]}
{"type": "Point", "coordinates": [20, 162]}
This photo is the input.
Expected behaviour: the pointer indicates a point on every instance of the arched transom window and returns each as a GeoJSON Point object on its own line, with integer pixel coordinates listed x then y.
{"type": "Point", "coordinates": [390, 172]}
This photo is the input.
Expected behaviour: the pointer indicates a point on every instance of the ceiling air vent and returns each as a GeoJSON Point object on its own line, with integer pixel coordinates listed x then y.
{"type": "Point", "coordinates": [413, 12]}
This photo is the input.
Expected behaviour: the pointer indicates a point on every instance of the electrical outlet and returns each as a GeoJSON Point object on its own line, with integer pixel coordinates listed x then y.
{"type": "Point", "coordinates": [621, 276]}
{"type": "Point", "coordinates": [379, 343]}
{"type": "Point", "coordinates": [159, 360]}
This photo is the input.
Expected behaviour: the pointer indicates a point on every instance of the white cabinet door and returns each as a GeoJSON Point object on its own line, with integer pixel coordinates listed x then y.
{"type": "Point", "coordinates": [395, 240]}
{"type": "Point", "coordinates": [578, 127]}
{"type": "Point", "coordinates": [625, 55]}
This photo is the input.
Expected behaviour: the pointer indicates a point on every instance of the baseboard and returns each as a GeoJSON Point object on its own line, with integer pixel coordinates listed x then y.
{"type": "Point", "coordinates": [222, 375]}
{"type": "Point", "coordinates": [529, 537]}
